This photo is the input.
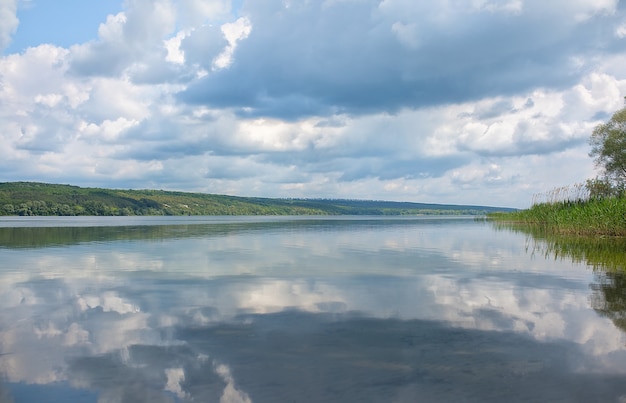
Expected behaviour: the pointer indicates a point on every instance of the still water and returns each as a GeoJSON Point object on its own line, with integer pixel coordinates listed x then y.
{"type": "Point", "coordinates": [301, 309]}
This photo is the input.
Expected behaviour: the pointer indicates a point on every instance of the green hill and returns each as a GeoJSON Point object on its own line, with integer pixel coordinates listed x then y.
{"type": "Point", "coordinates": [42, 199]}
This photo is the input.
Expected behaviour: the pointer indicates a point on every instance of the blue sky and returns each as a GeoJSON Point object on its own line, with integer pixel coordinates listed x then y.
{"type": "Point", "coordinates": [469, 102]}
{"type": "Point", "coordinates": [62, 23]}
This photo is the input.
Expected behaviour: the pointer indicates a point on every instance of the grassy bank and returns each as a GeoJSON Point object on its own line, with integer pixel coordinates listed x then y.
{"type": "Point", "coordinates": [602, 216]}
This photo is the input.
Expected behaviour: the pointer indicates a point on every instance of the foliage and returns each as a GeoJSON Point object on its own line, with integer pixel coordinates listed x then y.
{"type": "Point", "coordinates": [602, 188]}
{"type": "Point", "coordinates": [31, 198]}
{"type": "Point", "coordinates": [608, 147]}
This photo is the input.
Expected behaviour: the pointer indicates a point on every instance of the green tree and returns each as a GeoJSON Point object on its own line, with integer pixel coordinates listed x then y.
{"type": "Point", "coordinates": [65, 210]}
{"type": "Point", "coordinates": [24, 209]}
{"type": "Point", "coordinates": [9, 209]}
{"type": "Point", "coordinates": [601, 189]}
{"type": "Point", "coordinates": [608, 147]}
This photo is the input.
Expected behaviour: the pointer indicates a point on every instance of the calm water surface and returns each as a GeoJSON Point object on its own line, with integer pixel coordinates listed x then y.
{"type": "Point", "coordinates": [285, 309]}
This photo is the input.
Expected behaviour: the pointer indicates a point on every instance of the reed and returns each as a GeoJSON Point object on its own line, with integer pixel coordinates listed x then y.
{"type": "Point", "coordinates": [572, 193]}
{"type": "Point", "coordinates": [573, 210]}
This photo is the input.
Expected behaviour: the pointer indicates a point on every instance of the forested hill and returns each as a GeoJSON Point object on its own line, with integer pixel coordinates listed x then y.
{"type": "Point", "coordinates": [31, 198]}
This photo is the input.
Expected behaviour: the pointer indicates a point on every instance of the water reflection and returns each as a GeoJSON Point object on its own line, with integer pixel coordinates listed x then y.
{"type": "Point", "coordinates": [605, 255]}
{"type": "Point", "coordinates": [599, 252]}
{"type": "Point", "coordinates": [609, 297]}
{"type": "Point", "coordinates": [318, 310]}
{"type": "Point", "coordinates": [36, 232]}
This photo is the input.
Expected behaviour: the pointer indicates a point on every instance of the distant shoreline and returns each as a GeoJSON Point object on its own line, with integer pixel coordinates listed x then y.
{"type": "Point", "coordinates": [44, 199]}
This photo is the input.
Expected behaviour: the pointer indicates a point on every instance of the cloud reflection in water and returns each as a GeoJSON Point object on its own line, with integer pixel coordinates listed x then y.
{"type": "Point", "coordinates": [341, 311]}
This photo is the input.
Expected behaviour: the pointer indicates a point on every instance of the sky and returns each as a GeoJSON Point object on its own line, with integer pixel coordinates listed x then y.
{"type": "Point", "coordinates": [485, 102]}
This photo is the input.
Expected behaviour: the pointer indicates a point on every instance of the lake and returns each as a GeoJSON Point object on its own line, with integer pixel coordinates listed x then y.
{"type": "Point", "coordinates": [306, 309]}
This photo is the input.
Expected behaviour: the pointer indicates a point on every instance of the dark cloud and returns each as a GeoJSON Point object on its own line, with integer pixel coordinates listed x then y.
{"type": "Point", "coordinates": [117, 381]}
{"type": "Point", "coordinates": [494, 110]}
{"type": "Point", "coordinates": [315, 59]}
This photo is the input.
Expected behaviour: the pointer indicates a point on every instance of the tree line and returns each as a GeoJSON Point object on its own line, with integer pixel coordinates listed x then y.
{"type": "Point", "coordinates": [41, 199]}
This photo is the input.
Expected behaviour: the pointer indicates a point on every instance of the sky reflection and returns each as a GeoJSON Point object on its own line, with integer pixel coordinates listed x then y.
{"type": "Point", "coordinates": [330, 312]}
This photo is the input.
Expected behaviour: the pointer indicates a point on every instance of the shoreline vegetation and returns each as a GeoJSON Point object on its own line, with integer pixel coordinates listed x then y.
{"type": "Point", "coordinates": [580, 210]}
{"type": "Point", "coordinates": [43, 199]}
{"type": "Point", "coordinates": [594, 208]}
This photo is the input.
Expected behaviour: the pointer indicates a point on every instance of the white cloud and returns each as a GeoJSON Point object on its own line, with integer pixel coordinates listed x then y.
{"type": "Point", "coordinates": [490, 173]}
{"type": "Point", "coordinates": [135, 36]}
{"type": "Point", "coordinates": [231, 394]}
{"type": "Point", "coordinates": [76, 335]}
{"type": "Point", "coordinates": [197, 12]}
{"type": "Point", "coordinates": [148, 22]}
{"type": "Point", "coordinates": [37, 71]}
{"type": "Point", "coordinates": [8, 22]}
{"type": "Point", "coordinates": [108, 302]}
{"type": "Point", "coordinates": [113, 29]}
{"type": "Point", "coordinates": [175, 376]}
{"type": "Point", "coordinates": [508, 6]}
{"type": "Point", "coordinates": [174, 52]}
{"type": "Point", "coordinates": [585, 9]}
{"type": "Point", "coordinates": [233, 32]}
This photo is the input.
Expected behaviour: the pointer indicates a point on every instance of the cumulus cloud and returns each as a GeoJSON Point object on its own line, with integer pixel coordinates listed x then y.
{"type": "Point", "coordinates": [289, 99]}
{"type": "Point", "coordinates": [126, 38]}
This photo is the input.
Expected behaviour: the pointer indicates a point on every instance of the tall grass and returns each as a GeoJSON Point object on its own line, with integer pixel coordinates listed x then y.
{"type": "Point", "coordinates": [573, 210]}
{"type": "Point", "coordinates": [574, 193]}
